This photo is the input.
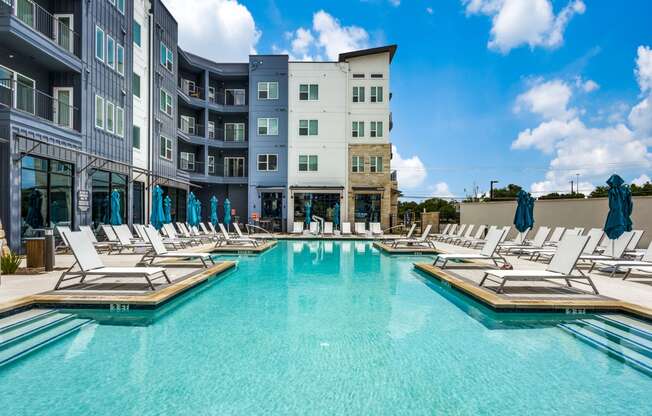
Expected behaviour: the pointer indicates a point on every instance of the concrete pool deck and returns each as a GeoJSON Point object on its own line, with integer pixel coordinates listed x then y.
{"type": "Point", "coordinates": [633, 295]}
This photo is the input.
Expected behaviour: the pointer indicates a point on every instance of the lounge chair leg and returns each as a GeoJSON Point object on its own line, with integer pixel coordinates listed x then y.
{"type": "Point", "coordinates": [595, 289]}
{"type": "Point", "coordinates": [484, 278]}
{"type": "Point", "coordinates": [629, 271]}
{"type": "Point", "coordinates": [592, 266]}
{"type": "Point", "coordinates": [165, 274]}
{"type": "Point", "coordinates": [203, 262]}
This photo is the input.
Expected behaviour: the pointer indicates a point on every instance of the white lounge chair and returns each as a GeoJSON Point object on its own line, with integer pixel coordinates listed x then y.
{"type": "Point", "coordinates": [555, 236]}
{"type": "Point", "coordinates": [466, 235]}
{"type": "Point", "coordinates": [546, 252]}
{"type": "Point", "coordinates": [479, 239]}
{"type": "Point", "coordinates": [560, 267]}
{"type": "Point", "coordinates": [99, 245]}
{"type": "Point", "coordinates": [158, 250]}
{"type": "Point", "coordinates": [360, 229]}
{"type": "Point", "coordinates": [346, 228]}
{"type": "Point", "coordinates": [297, 227]}
{"type": "Point", "coordinates": [375, 229]}
{"type": "Point", "coordinates": [614, 251]}
{"type": "Point", "coordinates": [126, 239]}
{"type": "Point", "coordinates": [445, 231]}
{"type": "Point", "coordinates": [228, 240]}
{"type": "Point", "coordinates": [90, 264]}
{"type": "Point", "coordinates": [171, 233]}
{"type": "Point", "coordinates": [628, 264]}
{"type": "Point", "coordinates": [174, 243]}
{"type": "Point", "coordinates": [453, 236]}
{"type": "Point", "coordinates": [488, 251]}
{"type": "Point", "coordinates": [423, 239]}
{"type": "Point", "coordinates": [328, 228]}
{"type": "Point", "coordinates": [537, 242]}
{"type": "Point", "coordinates": [313, 228]}
{"type": "Point", "coordinates": [479, 233]}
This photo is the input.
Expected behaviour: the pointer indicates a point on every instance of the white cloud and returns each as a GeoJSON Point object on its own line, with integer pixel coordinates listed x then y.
{"type": "Point", "coordinates": [327, 37]}
{"type": "Point", "coordinates": [641, 117]}
{"type": "Point", "coordinates": [524, 22]}
{"type": "Point", "coordinates": [590, 86]}
{"type": "Point", "coordinates": [395, 2]}
{"type": "Point", "coordinates": [548, 99]}
{"type": "Point", "coordinates": [642, 180]}
{"type": "Point", "coordinates": [222, 30]}
{"type": "Point", "coordinates": [441, 189]}
{"type": "Point", "coordinates": [429, 10]}
{"type": "Point", "coordinates": [411, 171]}
{"type": "Point", "coordinates": [644, 68]}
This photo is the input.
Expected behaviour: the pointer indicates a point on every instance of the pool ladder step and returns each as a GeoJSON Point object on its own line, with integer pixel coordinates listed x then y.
{"type": "Point", "coordinates": [625, 339]}
{"type": "Point", "coordinates": [31, 330]}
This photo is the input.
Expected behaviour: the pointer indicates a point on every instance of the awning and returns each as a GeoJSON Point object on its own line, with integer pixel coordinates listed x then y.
{"type": "Point", "coordinates": [316, 188]}
{"type": "Point", "coordinates": [270, 188]}
{"type": "Point", "coordinates": [368, 188]}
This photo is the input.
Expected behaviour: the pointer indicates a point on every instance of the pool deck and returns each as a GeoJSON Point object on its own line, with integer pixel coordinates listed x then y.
{"type": "Point", "coordinates": [18, 292]}
{"type": "Point", "coordinates": [413, 249]}
{"type": "Point", "coordinates": [633, 296]}
{"type": "Point", "coordinates": [244, 249]}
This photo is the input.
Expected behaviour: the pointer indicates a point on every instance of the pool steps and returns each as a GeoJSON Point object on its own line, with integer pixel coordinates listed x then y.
{"type": "Point", "coordinates": [28, 331]}
{"type": "Point", "coordinates": [624, 338]}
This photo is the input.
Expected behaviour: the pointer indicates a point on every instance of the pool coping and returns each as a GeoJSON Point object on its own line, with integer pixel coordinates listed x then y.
{"type": "Point", "coordinates": [244, 249]}
{"type": "Point", "coordinates": [501, 304]}
{"type": "Point", "coordinates": [405, 249]}
{"type": "Point", "coordinates": [121, 302]}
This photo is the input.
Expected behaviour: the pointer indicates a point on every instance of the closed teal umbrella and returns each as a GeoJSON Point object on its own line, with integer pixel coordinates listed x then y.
{"type": "Point", "coordinates": [34, 216]}
{"type": "Point", "coordinates": [167, 209]}
{"type": "Point", "coordinates": [227, 212]}
{"type": "Point", "coordinates": [336, 215]}
{"type": "Point", "coordinates": [214, 219]}
{"type": "Point", "coordinates": [307, 207]}
{"type": "Point", "coordinates": [157, 217]}
{"type": "Point", "coordinates": [192, 213]}
{"type": "Point", "coordinates": [523, 218]}
{"type": "Point", "coordinates": [620, 208]}
{"type": "Point", "coordinates": [116, 218]}
{"type": "Point", "coordinates": [198, 210]}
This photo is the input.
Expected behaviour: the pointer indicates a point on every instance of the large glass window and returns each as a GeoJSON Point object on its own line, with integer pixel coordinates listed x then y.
{"type": "Point", "coordinates": [267, 162]}
{"type": "Point", "coordinates": [308, 163]}
{"type": "Point", "coordinates": [308, 92]}
{"type": "Point", "coordinates": [104, 183]}
{"type": "Point", "coordinates": [268, 126]}
{"type": "Point", "coordinates": [271, 205]}
{"type": "Point", "coordinates": [110, 52]}
{"type": "Point", "coordinates": [46, 194]}
{"type": "Point", "coordinates": [376, 95]}
{"type": "Point", "coordinates": [357, 129]}
{"type": "Point", "coordinates": [358, 94]}
{"type": "Point", "coordinates": [167, 57]}
{"type": "Point", "coordinates": [268, 90]}
{"type": "Point", "coordinates": [99, 43]}
{"type": "Point", "coordinates": [367, 208]}
{"type": "Point", "coordinates": [321, 204]}
{"type": "Point", "coordinates": [234, 132]}
{"type": "Point", "coordinates": [179, 203]}
{"type": "Point", "coordinates": [308, 127]}
{"type": "Point", "coordinates": [375, 164]}
{"type": "Point", "coordinates": [357, 164]}
{"type": "Point", "coordinates": [137, 33]}
{"type": "Point", "coordinates": [376, 129]}
{"type": "Point", "coordinates": [139, 203]}
{"type": "Point", "coordinates": [235, 96]}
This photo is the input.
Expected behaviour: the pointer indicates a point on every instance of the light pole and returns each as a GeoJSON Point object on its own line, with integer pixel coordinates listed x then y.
{"type": "Point", "coordinates": [577, 182]}
{"type": "Point", "coordinates": [491, 190]}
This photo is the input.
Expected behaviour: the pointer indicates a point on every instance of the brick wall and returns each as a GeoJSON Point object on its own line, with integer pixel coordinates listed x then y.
{"type": "Point", "coordinates": [371, 183]}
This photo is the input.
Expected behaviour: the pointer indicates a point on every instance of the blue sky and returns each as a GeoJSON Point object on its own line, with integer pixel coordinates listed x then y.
{"type": "Point", "coordinates": [530, 92]}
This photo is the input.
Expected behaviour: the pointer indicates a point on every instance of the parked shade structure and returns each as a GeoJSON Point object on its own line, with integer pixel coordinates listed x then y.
{"type": "Point", "coordinates": [214, 218]}
{"type": "Point", "coordinates": [524, 216]}
{"type": "Point", "coordinates": [157, 217]}
{"type": "Point", "coordinates": [167, 209]}
{"type": "Point", "coordinates": [116, 218]}
{"type": "Point", "coordinates": [620, 208]}
{"type": "Point", "coordinates": [227, 212]}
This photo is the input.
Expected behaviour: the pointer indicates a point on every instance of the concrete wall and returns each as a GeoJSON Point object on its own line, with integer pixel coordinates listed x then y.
{"type": "Point", "coordinates": [588, 213]}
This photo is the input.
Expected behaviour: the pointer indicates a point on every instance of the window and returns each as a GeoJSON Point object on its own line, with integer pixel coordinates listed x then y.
{"type": "Point", "coordinates": [110, 52]}
{"type": "Point", "coordinates": [135, 84]}
{"type": "Point", "coordinates": [167, 57]}
{"type": "Point", "coordinates": [267, 163]}
{"type": "Point", "coordinates": [99, 43]}
{"type": "Point", "coordinates": [234, 132]}
{"type": "Point", "coordinates": [235, 96]}
{"type": "Point", "coordinates": [268, 90]}
{"type": "Point", "coordinates": [187, 124]}
{"type": "Point", "coordinates": [376, 95]}
{"type": "Point", "coordinates": [307, 163]}
{"type": "Point", "coordinates": [211, 94]}
{"type": "Point", "coordinates": [211, 164]}
{"type": "Point", "coordinates": [165, 104]}
{"type": "Point", "coordinates": [166, 148]}
{"type": "Point", "coordinates": [308, 127]}
{"type": "Point", "coordinates": [188, 161]}
{"type": "Point", "coordinates": [308, 92]}
{"type": "Point", "coordinates": [137, 33]}
{"type": "Point", "coordinates": [121, 6]}
{"type": "Point", "coordinates": [357, 129]}
{"type": "Point", "coordinates": [120, 121]}
{"type": "Point", "coordinates": [358, 75]}
{"type": "Point", "coordinates": [110, 114]}
{"type": "Point", "coordinates": [357, 164]}
{"type": "Point", "coordinates": [358, 94]}
{"type": "Point", "coordinates": [376, 129]}
{"type": "Point", "coordinates": [99, 112]}
{"type": "Point", "coordinates": [135, 137]}
{"type": "Point", "coordinates": [211, 129]}
{"type": "Point", "coordinates": [268, 127]}
{"type": "Point", "coordinates": [375, 164]}
{"type": "Point", "coordinates": [121, 59]}
{"type": "Point", "coordinates": [376, 75]}
{"type": "Point", "coordinates": [234, 167]}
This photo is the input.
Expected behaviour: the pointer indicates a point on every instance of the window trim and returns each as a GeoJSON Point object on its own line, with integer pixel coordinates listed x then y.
{"type": "Point", "coordinates": [237, 158]}
{"type": "Point", "coordinates": [103, 109]}
{"type": "Point", "coordinates": [112, 66]}
{"type": "Point", "coordinates": [359, 166]}
{"type": "Point", "coordinates": [133, 137]}
{"type": "Point", "coordinates": [308, 157]}
{"type": "Point", "coordinates": [119, 48]}
{"type": "Point", "coordinates": [119, 110]}
{"type": "Point", "coordinates": [267, 126]}
{"type": "Point", "coordinates": [309, 86]}
{"type": "Point", "coordinates": [374, 97]}
{"type": "Point", "coordinates": [267, 90]}
{"type": "Point", "coordinates": [117, 5]}
{"type": "Point", "coordinates": [168, 51]}
{"type": "Point", "coordinates": [357, 129]}
{"type": "Point", "coordinates": [373, 164]}
{"type": "Point", "coordinates": [106, 117]}
{"type": "Point", "coordinates": [103, 49]}
{"type": "Point", "coordinates": [211, 165]}
{"type": "Point", "coordinates": [167, 141]}
{"type": "Point", "coordinates": [135, 75]}
{"type": "Point", "coordinates": [308, 127]}
{"type": "Point", "coordinates": [358, 94]}
{"type": "Point", "coordinates": [165, 102]}
{"type": "Point", "coordinates": [373, 129]}
{"type": "Point", "coordinates": [140, 33]}
{"type": "Point", "coordinates": [267, 156]}
{"type": "Point", "coordinates": [190, 161]}
{"type": "Point", "coordinates": [236, 124]}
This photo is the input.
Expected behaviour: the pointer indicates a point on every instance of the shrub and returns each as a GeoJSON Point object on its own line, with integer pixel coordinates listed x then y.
{"type": "Point", "coordinates": [9, 263]}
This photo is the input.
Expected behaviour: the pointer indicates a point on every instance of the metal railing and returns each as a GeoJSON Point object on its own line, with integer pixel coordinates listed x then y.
{"type": "Point", "coordinates": [190, 128]}
{"type": "Point", "coordinates": [42, 21]}
{"type": "Point", "coordinates": [229, 98]}
{"type": "Point", "coordinates": [191, 89]}
{"type": "Point", "coordinates": [19, 96]}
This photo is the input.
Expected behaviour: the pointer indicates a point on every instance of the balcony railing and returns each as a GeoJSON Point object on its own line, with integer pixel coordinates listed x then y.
{"type": "Point", "coordinates": [229, 98]}
{"type": "Point", "coordinates": [191, 89]}
{"type": "Point", "coordinates": [55, 28]}
{"type": "Point", "coordinates": [191, 128]}
{"type": "Point", "coordinates": [16, 95]}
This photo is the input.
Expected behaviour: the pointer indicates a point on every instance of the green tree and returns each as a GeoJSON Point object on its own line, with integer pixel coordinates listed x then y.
{"type": "Point", "coordinates": [599, 192]}
{"type": "Point", "coordinates": [556, 195]}
{"type": "Point", "coordinates": [508, 192]}
{"type": "Point", "coordinates": [447, 209]}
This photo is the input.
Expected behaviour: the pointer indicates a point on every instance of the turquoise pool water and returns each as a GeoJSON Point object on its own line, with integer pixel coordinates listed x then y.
{"type": "Point", "coordinates": [322, 328]}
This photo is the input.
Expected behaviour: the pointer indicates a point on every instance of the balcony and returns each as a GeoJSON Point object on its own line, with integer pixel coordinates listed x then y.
{"type": "Point", "coordinates": [190, 128]}
{"type": "Point", "coordinates": [32, 103]}
{"type": "Point", "coordinates": [27, 28]}
{"type": "Point", "coordinates": [190, 89]}
{"type": "Point", "coordinates": [232, 101]}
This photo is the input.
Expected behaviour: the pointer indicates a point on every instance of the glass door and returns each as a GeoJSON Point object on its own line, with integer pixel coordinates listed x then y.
{"type": "Point", "coordinates": [234, 166]}
{"type": "Point", "coordinates": [25, 11]}
{"type": "Point", "coordinates": [25, 90]}
{"type": "Point", "coordinates": [63, 24]}
{"type": "Point", "coordinates": [62, 106]}
{"type": "Point", "coordinates": [235, 96]}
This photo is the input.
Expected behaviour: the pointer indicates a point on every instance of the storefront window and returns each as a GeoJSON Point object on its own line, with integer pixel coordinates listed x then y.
{"type": "Point", "coordinates": [179, 202]}
{"type": "Point", "coordinates": [272, 205]}
{"type": "Point", "coordinates": [46, 194]}
{"type": "Point", "coordinates": [367, 208]}
{"type": "Point", "coordinates": [321, 205]}
{"type": "Point", "coordinates": [103, 184]}
{"type": "Point", "coordinates": [139, 203]}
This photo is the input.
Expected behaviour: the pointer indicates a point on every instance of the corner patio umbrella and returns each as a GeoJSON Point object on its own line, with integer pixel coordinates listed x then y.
{"type": "Point", "coordinates": [167, 210]}
{"type": "Point", "coordinates": [227, 212]}
{"type": "Point", "coordinates": [115, 208]}
{"type": "Point", "coordinates": [34, 216]}
{"type": "Point", "coordinates": [156, 218]}
{"type": "Point", "coordinates": [620, 208]}
{"type": "Point", "coordinates": [336, 215]}
{"type": "Point", "coordinates": [523, 218]}
{"type": "Point", "coordinates": [192, 212]}
{"type": "Point", "coordinates": [214, 219]}
{"type": "Point", "coordinates": [198, 210]}
{"type": "Point", "coordinates": [307, 206]}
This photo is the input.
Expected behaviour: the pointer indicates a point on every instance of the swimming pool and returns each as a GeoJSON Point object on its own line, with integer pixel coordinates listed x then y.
{"type": "Point", "coordinates": [322, 328]}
